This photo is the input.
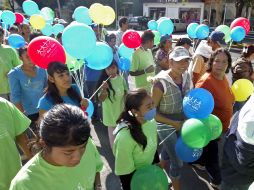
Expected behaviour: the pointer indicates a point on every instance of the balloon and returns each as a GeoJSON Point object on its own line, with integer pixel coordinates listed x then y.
{"type": "Point", "coordinates": [242, 89]}
{"type": "Point", "coordinates": [72, 63]}
{"type": "Point", "coordinates": [149, 177]}
{"type": "Point", "coordinates": [81, 15]}
{"type": "Point", "coordinates": [157, 37]}
{"type": "Point", "coordinates": [79, 40]}
{"type": "Point", "coordinates": [238, 33]}
{"type": "Point", "coordinates": [48, 14]}
{"type": "Point", "coordinates": [214, 124]}
{"type": "Point", "coordinates": [125, 51]}
{"type": "Point", "coordinates": [57, 28]}
{"type": "Point", "coordinates": [226, 30]}
{"type": "Point", "coordinates": [96, 12]}
{"type": "Point", "coordinates": [37, 22]}
{"type": "Point", "coordinates": [43, 50]}
{"type": "Point", "coordinates": [124, 64]}
{"type": "Point", "coordinates": [191, 30]}
{"type": "Point", "coordinates": [19, 18]}
{"type": "Point", "coordinates": [186, 153]}
{"type": "Point", "coordinates": [8, 17]}
{"type": "Point", "coordinates": [90, 108]}
{"type": "Point", "coordinates": [165, 26]}
{"type": "Point", "coordinates": [195, 134]}
{"type": "Point", "coordinates": [30, 7]}
{"type": "Point", "coordinates": [109, 16]}
{"type": "Point", "coordinates": [243, 22]}
{"type": "Point", "coordinates": [198, 103]}
{"type": "Point", "coordinates": [152, 25]}
{"type": "Point", "coordinates": [161, 18]}
{"type": "Point", "coordinates": [131, 39]}
{"type": "Point", "coordinates": [47, 30]}
{"type": "Point", "coordinates": [202, 31]}
{"type": "Point", "coordinates": [16, 41]}
{"type": "Point", "coordinates": [101, 57]}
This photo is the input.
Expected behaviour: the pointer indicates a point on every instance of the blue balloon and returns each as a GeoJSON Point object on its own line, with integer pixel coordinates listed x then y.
{"type": "Point", "coordinates": [238, 33]}
{"type": "Point", "coordinates": [198, 103]}
{"type": "Point", "coordinates": [125, 51]}
{"type": "Point", "coordinates": [90, 108]}
{"type": "Point", "coordinates": [101, 57]}
{"type": "Point", "coordinates": [47, 30]}
{"type": "Point", "coordinates": [30, 7]}
{"type": "Point", "coordinates": [124, 64]}
{"type": "Point", "coordinates": [191, 30]}
{"type": "Point", "coordinates": [202, 31]}
{"type": "Point", "coordinates": [57, 28]}
{"type": "Point", "coordinates": [8, 17]}
{"type": "Point", "coordinates": [152, 25]}
{"type": "Point", "coordinates": [165, 26]}
{"type": "Point", "coordinates": [81, 15]}
{"type": "Point", "coordinates": [79, 40]}
{"type": "Point", "coordinates": [186, 153]}
{"type": "Point", "coordinates": [16, 41]}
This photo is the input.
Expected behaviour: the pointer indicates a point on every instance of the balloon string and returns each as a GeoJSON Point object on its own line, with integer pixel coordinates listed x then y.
{"type": "Point", "coordinates": [167, 137]}
{"type": "Point", "coordinates": [230, 45]}
{"type": "Point", "coordinates": [99, 88]}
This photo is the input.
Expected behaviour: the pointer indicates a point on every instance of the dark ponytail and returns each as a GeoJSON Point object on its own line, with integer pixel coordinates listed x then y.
{"type": "Point", "coordinates": [134, 100]}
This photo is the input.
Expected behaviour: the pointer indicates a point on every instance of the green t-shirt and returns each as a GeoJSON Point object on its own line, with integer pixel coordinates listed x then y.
{"type": "Point", "coordinates": [8, 60]}
{"type": "Point", "coordinates": [112, 110]}
{"type": "Point", "coordinates": [12, 124]}
{"type": "Point", "coordinates": [40, 175]}
{"type": "Point", "coordinates": [129, 155]}
{"type": "Point", "coordinates": [142, 59]}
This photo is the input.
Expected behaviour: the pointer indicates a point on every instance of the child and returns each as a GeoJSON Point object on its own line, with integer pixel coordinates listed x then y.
{"type": "Point", "coordinates": [112, 97]}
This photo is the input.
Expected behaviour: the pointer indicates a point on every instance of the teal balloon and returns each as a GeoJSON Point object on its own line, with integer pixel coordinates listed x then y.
{"type": "Point", "coordinates": [191, 30]}
{"type": "Point", "coordinates": [8, 17]}
{"type": "Point", "coordinates": [57, 28]}
{"type": "Point", "coordinates": [238, 33]}
{"type": "Point", "coordinates": [165, 26]}
{"type": "Point", "coordinates": [125, 51]}
{"type": "Point", "coordinates": [81, 15]}
{"type": "Point", "coordinates": [161, 18]}
{"type": "Point", "coordinates": [30, 7]}
{"type": "Point", "coordinates": [79, 40]}
{"type": "Point", "coordinates": [202, 31]}
{"type": "Point", "coordinates": [101, 57]}
{"type": "Point", "coordinates": [90, 108]}
{"type": "Point", "coordinates": [47, 30]}
{"type": "Point", "coordinates": [152, 25]}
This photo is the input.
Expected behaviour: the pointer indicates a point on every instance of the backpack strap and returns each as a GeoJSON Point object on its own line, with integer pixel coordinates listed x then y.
{"type": "Point", "coordinates": [119, 127]}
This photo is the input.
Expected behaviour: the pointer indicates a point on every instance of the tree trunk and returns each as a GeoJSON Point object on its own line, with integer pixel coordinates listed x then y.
{"type": "Point", "coordinates": [11, 3]}
{"type": "Point", "coordinates": [239, 7]}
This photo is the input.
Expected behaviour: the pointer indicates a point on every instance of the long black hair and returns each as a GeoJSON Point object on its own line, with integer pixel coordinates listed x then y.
{"type": "Point", "coordinates": [64, 125]}
{"type": "Point", "coordinates": [134, 100]}
{"type": "Point", "coordinates": [104, 76]}
{"type": "Point", "coordinates": [52, 91]}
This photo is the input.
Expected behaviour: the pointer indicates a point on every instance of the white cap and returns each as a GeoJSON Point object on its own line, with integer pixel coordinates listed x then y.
{"type": "Point", "coordinates": [179, 53]}
{"type": "Point", "coordinates": [204, 49]}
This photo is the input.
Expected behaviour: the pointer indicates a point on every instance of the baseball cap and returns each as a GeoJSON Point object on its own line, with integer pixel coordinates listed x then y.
{"type": "Point", "coordinates": [165, 37]}
{"type": "Point", "coordinates": [183, 41]}
{"type": "Point", "coordinates": [218, 36]}
{"type": "Point", "coordinates": [179, 53]}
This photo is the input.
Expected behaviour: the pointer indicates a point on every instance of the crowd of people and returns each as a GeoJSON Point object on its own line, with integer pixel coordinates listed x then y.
{"type": "Point", "coordinates": [40, 112]}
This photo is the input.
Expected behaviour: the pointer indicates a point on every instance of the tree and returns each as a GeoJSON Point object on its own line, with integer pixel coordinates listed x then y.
{"type": "Point", "coordinates": [239, 8]}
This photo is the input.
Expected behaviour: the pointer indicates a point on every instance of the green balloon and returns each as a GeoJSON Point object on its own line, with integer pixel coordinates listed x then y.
{"type": "Point", "coordinates": [195, 134]}
{"type": "Point", "coordinates": [215, 126]}
{"type": "Point", "coordinates": [149, 178]}
{"type": "Point", "coordinates": [72, 63]}
{"type": "Point", "coordinates": [226, 30]}
{"type": "Point", "coordinates": [157, 37]}
{"type": "Point", "coordinates": [47, 13]}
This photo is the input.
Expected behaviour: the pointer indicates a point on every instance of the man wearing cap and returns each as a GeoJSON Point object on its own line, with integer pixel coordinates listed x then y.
{"type": "Point", "coordinates": [123, 26]}
{"type": "Point", "coordinates": [184, 42]}
{"type": "Point", "coordinates": [161, 56]}
{"type": "Point", "coordinates": [199, 65]}
{"type": "Point", "coordinates": [238, 157]}
{"type": "Point", "coordinates": [143, 65]}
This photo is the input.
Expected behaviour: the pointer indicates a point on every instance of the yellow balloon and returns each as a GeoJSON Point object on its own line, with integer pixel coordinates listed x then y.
{"type": "Point", "coordinates": [242, 89]}
{"type": "Point", "coordinates": [96, 12]}
{"type": "Point", "coordinates": [37, 22]}
{"type": "Point", "coordinates": [109, 16]}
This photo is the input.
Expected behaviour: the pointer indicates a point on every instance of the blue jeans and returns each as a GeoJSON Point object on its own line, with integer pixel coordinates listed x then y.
{"type": "Point", "coordinates": [168, 135]}
{"type": "Point", "coordinates": [225, 186]}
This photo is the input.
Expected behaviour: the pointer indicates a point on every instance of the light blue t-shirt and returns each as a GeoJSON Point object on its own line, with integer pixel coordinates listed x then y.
{"type": "Point", "coordinates": [46, 102]}
{"type": "Point", "coordinates": [27, 90]}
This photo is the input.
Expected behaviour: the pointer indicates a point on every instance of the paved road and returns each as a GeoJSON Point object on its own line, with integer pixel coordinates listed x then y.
{"type": "Point", "coordinates": [191, 178]}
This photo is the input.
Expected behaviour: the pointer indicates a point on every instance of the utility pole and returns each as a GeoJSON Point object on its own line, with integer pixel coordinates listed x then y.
{"type": "Point", "coordinates": [116, 12]}
{"type": "Point", "coordinates": [59, 8]}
